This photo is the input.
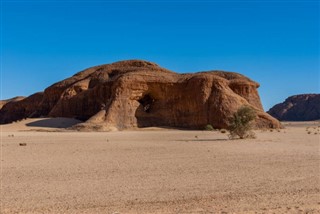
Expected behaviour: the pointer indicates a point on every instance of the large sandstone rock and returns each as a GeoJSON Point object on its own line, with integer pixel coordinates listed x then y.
{"type": "Point", "coordinates": [137, 93]}
{"type": "Point", "coordinates": [303, 107]}
{"type": "Point", "coordinates": [20, 109]}
{"type": "Point", "coordinates": [3, 102]}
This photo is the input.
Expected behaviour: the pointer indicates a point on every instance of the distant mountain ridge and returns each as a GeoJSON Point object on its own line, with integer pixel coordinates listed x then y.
{"type": "Point", "coordinates": [302, 107]}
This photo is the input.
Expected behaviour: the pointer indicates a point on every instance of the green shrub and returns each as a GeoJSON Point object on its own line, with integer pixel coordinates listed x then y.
{"type": "Point", "coordinates": [240, 123]}
{"type": "Point", "coordinates": [209, 128]}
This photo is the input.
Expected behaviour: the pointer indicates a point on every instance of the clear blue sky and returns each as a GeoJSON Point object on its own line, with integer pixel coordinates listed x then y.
{"type": "Point", "coordinates": [275, 43]}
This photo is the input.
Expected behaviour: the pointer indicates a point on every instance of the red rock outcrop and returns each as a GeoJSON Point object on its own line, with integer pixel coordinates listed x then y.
{"type": "Point", "coordinates": [17, 110]}
{"type": "Point", "coordinates": [3, 102]}
{"type": "Point", "coordinates": [137, 93]}
{"type": "Point", "coordinates": [303, 107]}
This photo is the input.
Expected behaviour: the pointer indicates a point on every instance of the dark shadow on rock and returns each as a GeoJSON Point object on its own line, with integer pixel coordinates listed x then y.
{"type": "Point", "coordinates": [54, 123]}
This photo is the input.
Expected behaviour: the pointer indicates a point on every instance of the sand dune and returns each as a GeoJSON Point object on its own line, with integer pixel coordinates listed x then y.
{"type": "Point", "coordinates": [158, 171]}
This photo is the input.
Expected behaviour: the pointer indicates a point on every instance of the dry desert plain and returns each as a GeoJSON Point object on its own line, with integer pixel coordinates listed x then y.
{"type": "Point", "coordinates": [158, 170]}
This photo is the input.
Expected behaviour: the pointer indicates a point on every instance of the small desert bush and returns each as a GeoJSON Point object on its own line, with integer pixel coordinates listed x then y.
{"type": "Point", "coordinates": [209, 128]}
{"type": "Point", "coordinates": [240, 124]}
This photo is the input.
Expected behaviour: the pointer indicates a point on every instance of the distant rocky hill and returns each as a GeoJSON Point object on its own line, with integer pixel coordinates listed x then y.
{"type": "Point", "coordinates": [303, 107]}
{"type": "Point", "coordinates": [3, 102]}
{"type": "Point", "coordinates": [136, 93]}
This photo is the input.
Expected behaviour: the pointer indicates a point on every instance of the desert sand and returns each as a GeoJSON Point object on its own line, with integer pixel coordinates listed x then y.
{"type": "Point", "coordinates": [158, 170]}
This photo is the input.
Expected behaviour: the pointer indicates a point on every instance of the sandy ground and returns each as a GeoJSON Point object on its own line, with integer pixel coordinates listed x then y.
{"type": "Point", "coordinates": [158, 171]}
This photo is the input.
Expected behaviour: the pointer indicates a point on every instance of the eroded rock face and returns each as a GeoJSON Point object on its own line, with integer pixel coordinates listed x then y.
{"type": "Point", "coordinates": [3, 102]}
{"type": "Point", "coordinates": [137, 93]}
{"type": "Point", "coordinates": [303, 107]}
{"type": "Point", "coordinates": [17, 110]}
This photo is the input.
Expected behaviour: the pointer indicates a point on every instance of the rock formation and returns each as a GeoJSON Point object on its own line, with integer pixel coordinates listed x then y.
{"type": "Point", "coordinates": [303, 107]}
{"type": "Point", "coordinates": [137, 93]}
{"type": "Point", "coordinates": [17, 110]}
{"type": "Point", "coordinates": [3, 102]}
